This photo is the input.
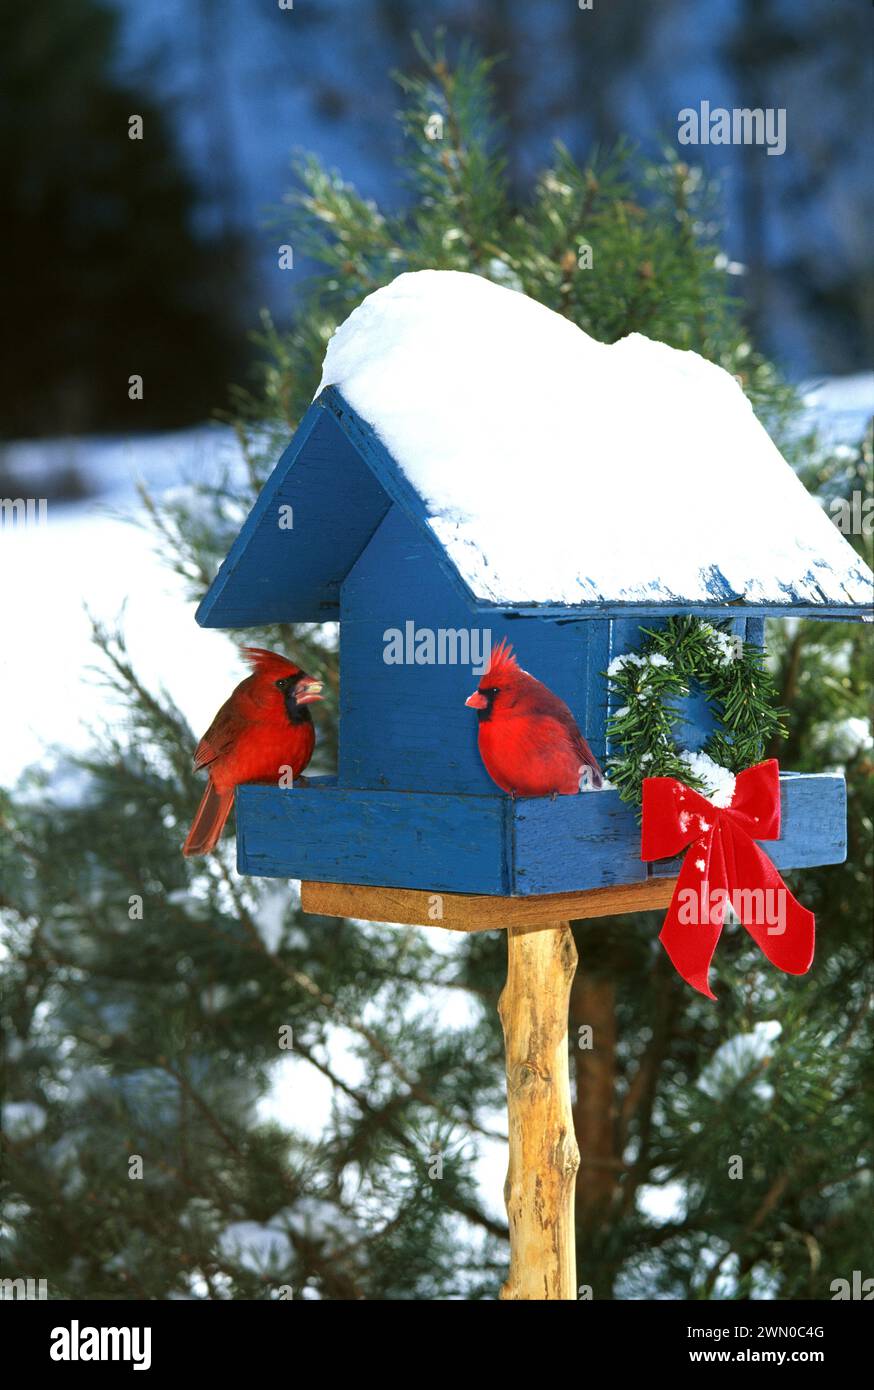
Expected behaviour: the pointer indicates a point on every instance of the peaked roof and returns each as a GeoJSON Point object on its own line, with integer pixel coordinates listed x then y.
{"type": "Point", "coordinates": [548, 469]}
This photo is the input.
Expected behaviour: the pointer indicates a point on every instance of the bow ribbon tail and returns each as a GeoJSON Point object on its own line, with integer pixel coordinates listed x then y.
{"type": "Point", "coordinates": [694, 920]}
{"type": "Point", "coordinates": [778, 923]}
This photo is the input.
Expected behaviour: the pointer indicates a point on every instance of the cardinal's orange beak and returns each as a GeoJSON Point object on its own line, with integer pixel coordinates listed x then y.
{"type": "Point", "coordinates": [308, 690]}
{"type": "Point", "coordinates": [476, 700]}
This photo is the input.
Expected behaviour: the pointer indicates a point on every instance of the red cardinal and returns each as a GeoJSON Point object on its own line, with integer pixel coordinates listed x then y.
{"type": "Point", "coordinates": [528, 738]}
{"type": "Point", "coordinates": [262, 729]}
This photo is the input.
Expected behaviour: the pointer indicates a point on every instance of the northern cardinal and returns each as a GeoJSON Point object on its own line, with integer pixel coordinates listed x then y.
{"type": "Point", "coordinates": [528, 738]}
{"type": "Point", "coordinates": [262, 729]}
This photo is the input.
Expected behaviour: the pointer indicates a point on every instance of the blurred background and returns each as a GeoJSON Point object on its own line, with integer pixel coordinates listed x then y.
{"type": "Point", "coordinates": [161, 258]}
{"type": "Point", "coordinates": [157, 255]}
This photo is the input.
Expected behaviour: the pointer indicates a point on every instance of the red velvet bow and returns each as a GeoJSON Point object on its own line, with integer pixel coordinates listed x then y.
{"type": "Point", "coordinates": [724, 864]}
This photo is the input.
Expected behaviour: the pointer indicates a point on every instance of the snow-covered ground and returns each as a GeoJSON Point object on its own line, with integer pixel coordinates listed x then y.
{"type": "Point", "coordinates": [92, 555]}
{"type": "Point", "coordinates": [842, 407]}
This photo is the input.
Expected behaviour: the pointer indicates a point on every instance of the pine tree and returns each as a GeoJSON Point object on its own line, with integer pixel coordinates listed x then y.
{"type": "Point", "coordinates": [147, 1000]}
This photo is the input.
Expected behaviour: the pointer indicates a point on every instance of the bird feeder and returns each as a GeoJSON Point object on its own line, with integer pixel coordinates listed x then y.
{"type": "Point", "coordinates": [475, 468]}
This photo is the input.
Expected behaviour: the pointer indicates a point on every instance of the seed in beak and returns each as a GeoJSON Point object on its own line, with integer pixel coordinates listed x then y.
{"type": "Point", "coordinates": [308, 690]}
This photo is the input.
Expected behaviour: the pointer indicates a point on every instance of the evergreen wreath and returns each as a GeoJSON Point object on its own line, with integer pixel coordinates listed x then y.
{"type": "Point", "coordinates": [738, 688]}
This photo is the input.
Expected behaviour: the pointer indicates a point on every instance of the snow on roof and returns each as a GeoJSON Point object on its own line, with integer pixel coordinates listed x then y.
{"type": "Point", "coordinates": [557, 469]}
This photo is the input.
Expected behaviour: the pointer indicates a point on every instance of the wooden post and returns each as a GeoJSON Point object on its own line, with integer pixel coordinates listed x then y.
{"type": "Point", "coordinates": [541, 964]}
{"type": "Point", "coordinates": [541, 1177]}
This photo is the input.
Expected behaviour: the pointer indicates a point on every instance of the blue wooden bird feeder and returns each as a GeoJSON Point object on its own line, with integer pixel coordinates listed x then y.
{"type": "Point", "coordinates": [474, 466]}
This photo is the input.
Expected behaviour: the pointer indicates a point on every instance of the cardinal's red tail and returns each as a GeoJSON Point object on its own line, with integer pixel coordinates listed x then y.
{"type": "Point", "coordinates": [208, 824]}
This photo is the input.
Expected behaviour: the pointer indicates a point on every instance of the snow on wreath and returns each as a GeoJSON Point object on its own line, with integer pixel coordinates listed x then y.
{"type": "Point", "coordinates": [649, 683]}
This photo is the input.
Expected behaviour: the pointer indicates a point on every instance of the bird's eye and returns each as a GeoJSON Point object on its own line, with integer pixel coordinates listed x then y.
{"type": "Point", "coordinates": [282, 684]}
{"type": "Point", "coordinates": [492, 690]}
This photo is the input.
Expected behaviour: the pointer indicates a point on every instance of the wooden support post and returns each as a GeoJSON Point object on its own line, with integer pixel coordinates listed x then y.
{"type": "Point", "coordinates": [541, 1177]}
{"type": "Point", "coordinates": [534, 1004]}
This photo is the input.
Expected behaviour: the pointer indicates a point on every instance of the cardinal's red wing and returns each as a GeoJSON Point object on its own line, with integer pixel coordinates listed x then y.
{"type": "Point", "coordinates": [557, 709]}
{"type": "Point", "coordinates": [588, 759]}
{"type": "Point", "coordinates": [221, 736]}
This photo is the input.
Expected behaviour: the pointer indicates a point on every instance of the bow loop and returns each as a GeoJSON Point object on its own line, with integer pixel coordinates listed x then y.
{"type": "Point", "coordinates": [674, 816]}
{"type": "Point", "coordinates": [724, 867]}
{"type": "Point", "coordinates": [755, 806]}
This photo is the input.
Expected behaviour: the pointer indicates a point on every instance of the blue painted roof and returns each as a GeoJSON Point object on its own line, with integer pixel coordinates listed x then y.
{"type": "Point", "coordinates": [339, 480]}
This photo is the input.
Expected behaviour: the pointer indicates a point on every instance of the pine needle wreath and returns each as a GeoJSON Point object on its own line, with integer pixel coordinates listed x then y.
{"type": "Point", "coordinates": [738, 688]}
